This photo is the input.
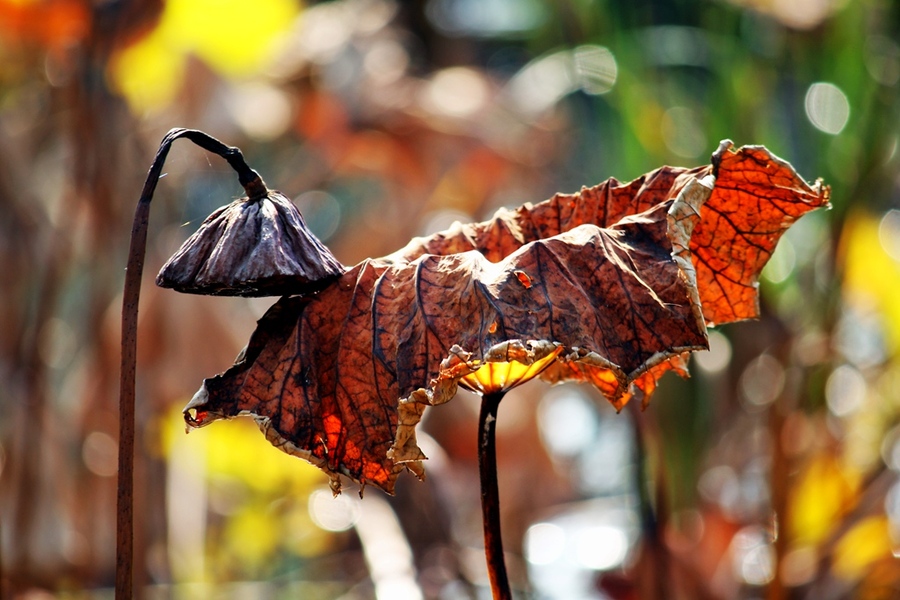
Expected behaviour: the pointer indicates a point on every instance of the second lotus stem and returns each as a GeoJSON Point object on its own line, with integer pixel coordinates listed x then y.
{"type": "Point", "coordinates": [490, 496]}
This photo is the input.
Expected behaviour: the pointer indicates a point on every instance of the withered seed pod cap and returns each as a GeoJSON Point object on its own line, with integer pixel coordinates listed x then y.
{"type": "Point", "coordinates": [256, 246]}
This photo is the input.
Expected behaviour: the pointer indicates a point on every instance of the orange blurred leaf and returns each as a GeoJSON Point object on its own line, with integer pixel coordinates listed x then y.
{"type": "Point", "coordinates": [52, 24]}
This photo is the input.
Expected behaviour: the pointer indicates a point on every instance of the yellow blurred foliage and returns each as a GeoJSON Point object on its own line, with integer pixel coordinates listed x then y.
{"type": "Point", "coordinates": [252, 536]}
{"type": "Point", "coordinates": [149, 73]}
{"type": "Point", "coordinates": [870, 273]}
{"type": "Point", "coordinates": [235, 449]}
{"type": "Point", "coordinates": [303, 537]}
{"type": "Point", "coordinates": [822, 494]}
{"type": "Point", "coordinates": [271, 514]}
{"type": "Point", "coordinates": [234, 38]}
{"type": "Point", "coordinates": [867, 542]}
{"type": "Point", "coordinates": [241, 453]}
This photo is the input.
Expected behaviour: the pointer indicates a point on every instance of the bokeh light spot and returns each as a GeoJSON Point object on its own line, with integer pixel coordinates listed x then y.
{"type": "Point", "coordinates": [718, 357]}
{"type": "Point", "coordinates": [889, 233]}
{"type": "Point", "coordinates": [262, 111]}
{"type": "Point", "coordinates": [456, 92]}
{"type": "Point", "coordinates": [890, 448]}
{"type": "Point", "coordinates": [567, 422]}
{"type": "Point", "coordinates": [386, 62]}
{"type": "Point", "coordinates": [883, 59]}
{"type": "Point", "coordinates": [720, 484]}
{"type": "Point", "coordinates": [596, 69]}
{"type": "Point", "coordinates": [57, 343]}
{"type": "Point", "coordinates": [601, 548]}
{"type": "Point", "coordinates": [682, 132]}
{"type": "Point", "coordinates": [100, 454]}
{"type": "Point", "coordinates": [845, 390]}
{"type": "Point", "coordinates": [827, 107]}
{"type": "Point", "coordinates": [542, 82]}
{"type": "Point", "coordinates": [861, 333]}
{"type": "Point", "coordinates": [892, 510]}
{"type": "Point", "coordinates": [325, 30]}
{"type": "Point", "coordinates": [762, 381]}
{"type": "Point", "coordinates": [544, 543]}
{"type": "Point", "coordinates": [333, 513]}
{"type": "Point", "coordinates": [753, 556]}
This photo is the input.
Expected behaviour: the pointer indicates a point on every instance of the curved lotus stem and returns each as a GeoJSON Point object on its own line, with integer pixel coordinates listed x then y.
{"type": "Point", "coordinates": [253, 184]}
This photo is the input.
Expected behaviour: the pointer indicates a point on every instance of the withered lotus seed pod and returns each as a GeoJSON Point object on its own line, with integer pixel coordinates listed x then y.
{"type": "Point", "coordinates": [256, 246]}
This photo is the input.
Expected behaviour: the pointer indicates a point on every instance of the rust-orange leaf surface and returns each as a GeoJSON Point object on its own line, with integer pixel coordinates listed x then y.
{"type": "Point", "coordinates": [612, 286]}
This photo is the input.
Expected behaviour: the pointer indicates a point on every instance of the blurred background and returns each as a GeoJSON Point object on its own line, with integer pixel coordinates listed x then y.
{"type": "Point", "coordinates": [772, 473]}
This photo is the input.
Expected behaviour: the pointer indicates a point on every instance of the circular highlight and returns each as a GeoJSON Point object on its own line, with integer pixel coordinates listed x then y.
{"type": "Point", "coordinates": [827, 107]}
{"type": "Point", "coordinates": [544, 543]}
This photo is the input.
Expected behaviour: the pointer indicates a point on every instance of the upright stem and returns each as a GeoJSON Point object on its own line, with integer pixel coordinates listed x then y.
{"type": "Point", "coordinates": [490, 495]}
{"type": "Point", "coordinates": [653, 508]}
{"type": "Point", "coordinates": [130, 297]}
{"type": "Point", "coordinates": [125, 483]}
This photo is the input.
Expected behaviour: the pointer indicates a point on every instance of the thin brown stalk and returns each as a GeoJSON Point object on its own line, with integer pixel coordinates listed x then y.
{"type": "Point", "coordinates": [490, 496]}
{"type": "Point", "coordinates": [130, 299]}
{"type": "Point", "coordinates": [125, 484]}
